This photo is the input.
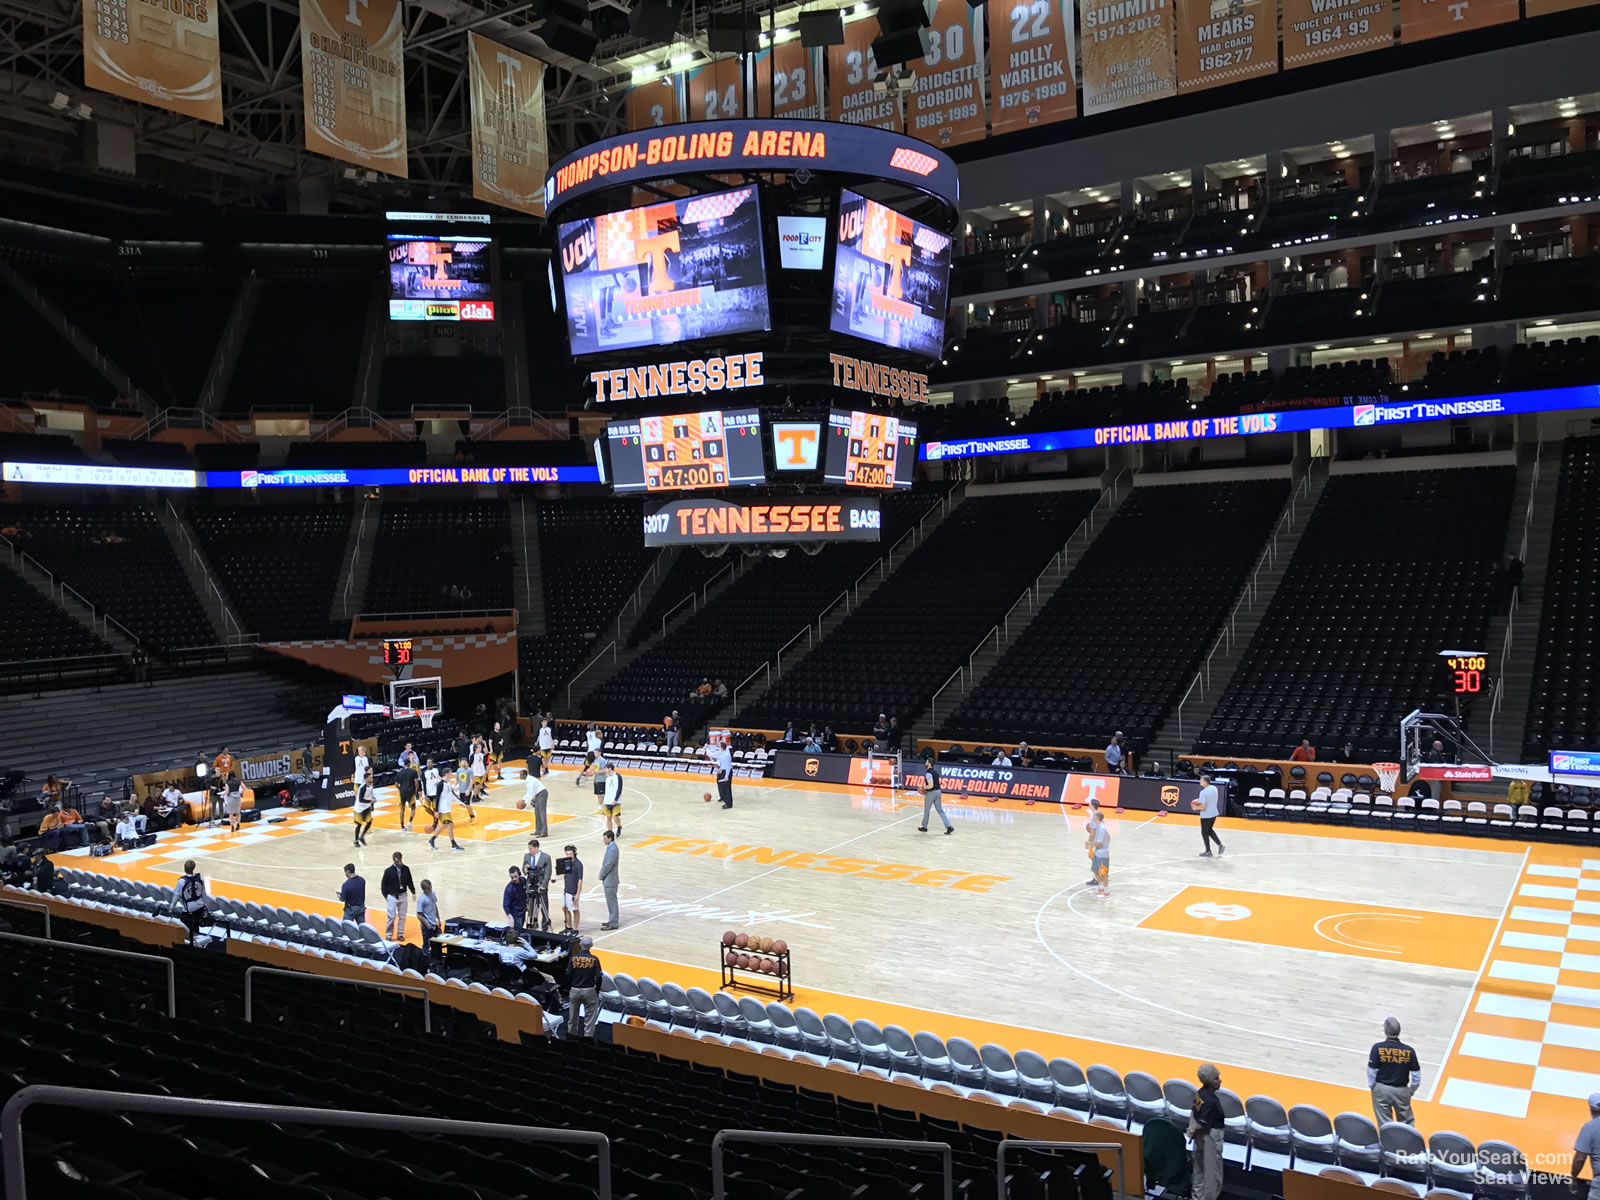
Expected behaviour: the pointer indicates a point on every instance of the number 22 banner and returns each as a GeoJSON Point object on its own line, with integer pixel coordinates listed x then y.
{"type": "Point", "coordinates": [1030, 63]}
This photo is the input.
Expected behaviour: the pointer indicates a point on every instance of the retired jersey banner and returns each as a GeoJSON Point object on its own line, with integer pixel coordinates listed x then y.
{"type": "Point", "coordinates": [1424, 19]}
{"type": "Point", "coordinates": [164, 53]}
{"type": "Point", "coordinates": [653, 104]}
{"type": "Point", "coordinates": [796, 90]}
{"type": "Point", "coordinates": [715, 91]}
{"type": "Point", "coordinates": [352, 61]}
{"type": "Point", "coordinates": [1030, 63]}
{"type": "Point", "coordinates": [1317, 30]}
{"type": "Point", "coordinates": [851, 70]}
{"type": "Point", "coordinates": [1127, 53]}
{"type": "Point", "coordinates": [509, 152]}
{"type": "Point", "coordinates": [946, 106]}
{"type": "Point", "coordinates": [1224, 41]}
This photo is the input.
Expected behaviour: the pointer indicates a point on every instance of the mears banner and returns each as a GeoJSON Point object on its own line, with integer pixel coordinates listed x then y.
{"type": "Point", "coordinates": [509, 152]}
{"type": "Point", "coordinates": [1030, 63]}
{"type": "Point", "coordinates": [945, 106]}
{"type": "Point", "coordinates": [163, 53]}
{"type": "Point", "coordinates": [1239, 44]}
{"type": "Point", "coordinates": [1128, 48]}
{"type": "Point", "coordinates": [352, 63]}
{"type": "Point", "coordinates": [796, 90]}
{"type": "Point", "coordinates": [852, 68]}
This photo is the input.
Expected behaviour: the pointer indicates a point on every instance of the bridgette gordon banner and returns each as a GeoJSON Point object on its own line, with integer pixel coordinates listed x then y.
{"type": "Point", "coordinates": [1224, 41]}
{"type": "Point", "coordinates": [1030, 63]}
{"type": "Point", "coordinates": [796, 90]}
{"type": "Point", "coordinates": [1128, 53]}
{"type": "Point", "coordinates": [946, 105]}
{"type": "Point", "coordinates": [1316, 30]}
{"type": "Point", "coordinates": [509, 152]}
{"type": "Point", "coordinates": [851, 70]}
{"type": "Point", "coordinates": [165, 54]}
{"type": "Point", "coordinates": [352, 62]}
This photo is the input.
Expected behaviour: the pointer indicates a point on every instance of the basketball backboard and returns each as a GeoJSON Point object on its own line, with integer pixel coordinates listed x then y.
{"type": "Point", "coordinates": [415, 698]}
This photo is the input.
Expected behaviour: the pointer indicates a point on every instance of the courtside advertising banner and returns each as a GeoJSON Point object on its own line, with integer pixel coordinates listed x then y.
{"type": "Point", "coordinates": [796, 90]}
{"type": "Point", "coordinates": [1316, 30]}
{"type": "Point", "coordinates": [654, 104]}
{"type": "Point", "coordinates": [1030, 63]}
{"type": "Point", "coordinates": [1221, 43]}
{"type": "Point", "coordinates": [852, 67]}
{"type": "Point", "coordinates": [509, 152]}
{"type": "Point", "coordinates": [1424, 19]}
{"type": "Point", "coordinates": [715, 91]}
{"type": "Point", "coordinates": [1128, 50]}
{"type": "Point", "coordinates": [946, 105]}
{"type": "Point", "coordinates": [164, 53]}
{"type": "Point", "coordinates": [352, 63]}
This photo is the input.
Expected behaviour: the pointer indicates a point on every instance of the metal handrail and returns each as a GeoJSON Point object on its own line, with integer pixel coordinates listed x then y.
{"type": "Point", "coordinates": [527, 580]}
{"type": "Point", "coordinates": [830, 606]}
{"type": "Point", "coordinates": [855, 588]}
{"type": "Point", "coordinates": [933, 705]}
{"type": "Point", "coordinates": [434, 614]}
{"type": "Point", "coordinates": [705, 589]}
{"type": "Point", "coordinates": [767, 1138]}
{"type": "Point", "coordinates": [599, 654]}
{"type": "Point", "coordinates": [1007, 1144]}
{"type": "Point", "coordinates": [26, 662]}
{"type": "Point", "coordinates": [766, 666]}
{"type": "Point", "coordinates": [232, 1110]}
{"type": "Point", "coordinates": [251, 972]}
{"type": "Point", "coordinates": [810, 643]}
{"type": "Point", "coordinates": [693, 598]}
{"type": "Point", "coordinates": [355, 557]}
{"type": "Point", "coordinates": [981, 646]}
{"type": "Point", "coordinates": [17, 902]}
{"type": "Point", "coordinates": [172, 971]}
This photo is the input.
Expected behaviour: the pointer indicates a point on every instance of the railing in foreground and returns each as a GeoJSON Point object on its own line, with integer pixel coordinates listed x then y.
{"type": "Point", "coordinates": [19, 902]}
{"type": "Point", "coordinates": [382, 984]}
{"type": "Point", "coordinates": [1010, 1144]}
{"type": "Point", "coordinates": [78, 948]}
{"type": "Point", "coordinates": [765, 1138]}
{"type": "Point", "coordinates": [228, 1110]}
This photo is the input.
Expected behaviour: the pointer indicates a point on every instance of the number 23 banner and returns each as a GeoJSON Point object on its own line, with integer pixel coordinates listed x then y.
{"type": "Point", "coordinates": [1030, 63]}
{"type": "Point", "coordinates": [946, 106]}
{"type": "Point", "coordinates": [796, 91]}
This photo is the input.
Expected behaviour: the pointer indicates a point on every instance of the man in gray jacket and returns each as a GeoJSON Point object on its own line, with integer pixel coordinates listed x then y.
{"type": "Point", "coordinates": [610, 880]}
{"type": "Point", "coordinates": [536, 868]}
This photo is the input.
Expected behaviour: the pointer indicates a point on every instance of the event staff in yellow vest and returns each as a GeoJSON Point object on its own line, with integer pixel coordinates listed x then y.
{"type": "Point", "coordinates": [1394, 1074]}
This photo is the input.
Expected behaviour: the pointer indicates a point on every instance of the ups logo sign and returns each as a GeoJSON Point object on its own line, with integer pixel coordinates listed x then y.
{"type": "Point", "coordinates": [813, 765]}
{"type": "Point", "coordinates": [1169, 795]}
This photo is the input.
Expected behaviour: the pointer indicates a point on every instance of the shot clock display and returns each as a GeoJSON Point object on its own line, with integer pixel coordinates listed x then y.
{"type": "Point", "coordinates": [1464, 672]}
{"type": "Point", "coordinates": [686, 452]}
{"type": "Point", "coordinates": [396, 653]}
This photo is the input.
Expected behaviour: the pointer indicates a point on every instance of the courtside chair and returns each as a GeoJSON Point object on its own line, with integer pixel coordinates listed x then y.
{"type": "Point", "coordinates": [1312, 1134]}
{"type": "Point", "coordinates": [678, 1001]}
{"type": "Point", "coordinates": [1358, 1144]}
{"type": "Point", "coordinates": [934, 1057]}
{"type": "Point", "coordinates": [1452, 1162]}
{"type": "Point", "coordinates": [1179, 1095]}
{"type": "Point", "coordinates": [1271, 1139]}
{"type": "Point", "coordinates": [1145, 1097]}
{"type": "Point", "coordinates": [812, 1033]}
{"type": "Point", "coordinates": [1404, 1151]}
{"type": "Point", "coordinates": [656, 1007]}
{"type": "Point", "coordinates": [632, 1002]}
{"type": "Point", "coordinates": [1072, 1089]}
{"type": "Point", "coordinates": [902, 1050]}
{"type": "Point", "coordinates": [842, 1042]}
{"type": "Point", "coordinates": [1502, 1170]}
{"type": "Point", "coordinates": [1033, 1072]}
{"type": "Point", "coordinates": [728, 1010]}
{"type": "Point", "coordinates": [705, 1009]}
{"type": "Point", "coordinates": [968, 1064]}
{"type": "Point", "coordinates": [1340, 1175]}
{"type": "Point", "coordinates": [784, 1030]}
{"type": "Point", "coordinates": [1000, 1070]}
{"type": "Point", "coordinates": [610, 997]}
{"type": "Point", "coordinates": [874, 1051]}
{"type": "Point", "coordinates": [1398, 1187]}
{"type": "Point", "coordinates": [756, 1020]}
{"type": "Point", "coordinates": [1109, 1096]}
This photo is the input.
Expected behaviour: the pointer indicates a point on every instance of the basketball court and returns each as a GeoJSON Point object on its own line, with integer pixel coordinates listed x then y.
{"type": "Point", "coordinates": [1278, 961]}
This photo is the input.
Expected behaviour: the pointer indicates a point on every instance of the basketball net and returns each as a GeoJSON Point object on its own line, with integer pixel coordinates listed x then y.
{"type": "Point", "coordinates": [1388, 775]}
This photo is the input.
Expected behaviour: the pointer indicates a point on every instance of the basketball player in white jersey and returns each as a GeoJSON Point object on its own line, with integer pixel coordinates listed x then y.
{"type": "Point", "coordinates": [363, 768]}
{"type": "Point", "coordinates": [447, 800]}
{"type": "Point", "coordinates": [611, 798]}
{"type": "Point", "coordinates": [480, 768]}
{"type": "Point", "coordinates": [430, 795]}
{"type": "Point", "coordinates": [366, 807]}
{"type": "Point", "coordinates": [547, 742]}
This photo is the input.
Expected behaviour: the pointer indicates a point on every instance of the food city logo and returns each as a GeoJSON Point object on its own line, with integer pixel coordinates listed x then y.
{"type": "Point", "coordinates": [861, 868]}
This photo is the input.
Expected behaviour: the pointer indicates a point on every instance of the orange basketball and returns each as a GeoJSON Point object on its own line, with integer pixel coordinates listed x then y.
{"type": "Point", "coordinates": [770, 966]}
{"type": "Point", "coordinates": [741, 940]}
{"type": "Point", "coordinates": [766, 943]}
{"type": "Point", "coordinates": [1195, 805]}
{"type": "Point", "coordinates": [731, 957]}
{"type": "Point", "coordinates": [780, 947]}
{"type": "Point", "coordinates": [745, 961]}
{"type": "Point", "coordinates": [728, 938]}
{"type": "Point", "coordinates": [707, 797]}
{"type": "Point", "coordinates": [522, 803]}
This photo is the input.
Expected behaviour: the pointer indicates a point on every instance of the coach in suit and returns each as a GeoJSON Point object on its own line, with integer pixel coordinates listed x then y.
{"type": "Point", "coordinates": [536, 869]}
{"type": "Point", "coordinates": [610, 880]}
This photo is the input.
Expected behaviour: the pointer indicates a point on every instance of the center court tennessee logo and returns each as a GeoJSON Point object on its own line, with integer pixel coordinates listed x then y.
{"type": "Point", "coordinates": [1169, 796]}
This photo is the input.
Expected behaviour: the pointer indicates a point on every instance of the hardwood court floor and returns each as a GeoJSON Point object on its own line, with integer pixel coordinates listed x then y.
{"type": "Point", "coordinates": [1278, 961]}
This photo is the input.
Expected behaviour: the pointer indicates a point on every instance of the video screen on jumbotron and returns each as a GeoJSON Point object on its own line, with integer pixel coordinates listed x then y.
{"type": "Point", "coordinates": [686, 451]}
{"type": "Point", "coordinates": [664, 273]}
{"type": "Point", "coordinates": [891, 277]}
{"type": "Point", "coordinates": [869, 450]}
{"type": "Point", "coordinates": [440, 278]}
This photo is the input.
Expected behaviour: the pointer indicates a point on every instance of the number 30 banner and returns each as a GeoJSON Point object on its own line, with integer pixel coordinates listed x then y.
{"type": "Point", "coordinates": [1030, 63]}
{"type": "Point", "coordinates": [946, 106]}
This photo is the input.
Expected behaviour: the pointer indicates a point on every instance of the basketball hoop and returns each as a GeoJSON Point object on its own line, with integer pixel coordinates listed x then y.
{"type": "Point", "coordinates": [405, 714]}
{"type": "Point", "coordinates": [1388, 776]}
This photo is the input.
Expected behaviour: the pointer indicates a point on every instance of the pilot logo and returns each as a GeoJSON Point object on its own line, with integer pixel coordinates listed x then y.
{"type": "Point", "coordinates": [1169, 795]}
{"type": "Point", "coordinates": [813, 766]}
{"type": "Point", "coordinates": [1366, 414]}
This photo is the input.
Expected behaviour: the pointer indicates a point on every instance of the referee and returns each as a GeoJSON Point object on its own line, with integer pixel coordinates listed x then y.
{"type": "Point", "coordinates": [1393, 1074]}
{"type": "Point", "coordinates": [931, 793]}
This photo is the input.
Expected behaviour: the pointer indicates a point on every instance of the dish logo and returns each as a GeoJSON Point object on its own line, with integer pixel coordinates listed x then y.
{"type": "Point", "coordinates": [477, 310]}
{"type": "Point", "coordinates": [1366, 414]}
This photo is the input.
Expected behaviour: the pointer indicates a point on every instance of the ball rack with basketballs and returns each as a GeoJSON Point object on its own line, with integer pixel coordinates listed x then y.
{"type": "Point", "coordinates": [761, 959]}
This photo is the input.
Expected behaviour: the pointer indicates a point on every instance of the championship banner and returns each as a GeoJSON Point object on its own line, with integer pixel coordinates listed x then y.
{"type": "Point", "coordinates": [1030, 63]}
{"type": "Point", "coordinates": [1241, 43]}
{"type": "Point", "coordinates": [162, 54]}
{"type": "Point", "coordinates": [352, 61]}
{"type": "Point", "coordinates": [653, 104]}
{"type": "Point", "coordinates": [509, 152]}
{"type": "Point", "coordinates": [796, 91]}
{"type": "Point", "coordinates": [1316, 30]}
{"type": "Point", "coordinates": [1128, 52]}
{"type": "Point", "coordinates": [946, 105]}
{"type": "Point", "coordinates": [1424, 19]}
{"type": "Point", "coordinates": [715, 91]}
{"type": "Point", "coordinates": [851, 70]}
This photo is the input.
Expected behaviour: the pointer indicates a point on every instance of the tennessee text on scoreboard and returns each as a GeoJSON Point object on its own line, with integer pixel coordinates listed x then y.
{"type": "Point", "coordinates": [860, 375]}
{"type": "Point", "coordinates": [720, 522]}
{"type": "Point", "coordinates": [727, 372]}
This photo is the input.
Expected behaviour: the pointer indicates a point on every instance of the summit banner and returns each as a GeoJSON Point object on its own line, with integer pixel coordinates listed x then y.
{"type": "Point", "coordinates": [1360, 412]}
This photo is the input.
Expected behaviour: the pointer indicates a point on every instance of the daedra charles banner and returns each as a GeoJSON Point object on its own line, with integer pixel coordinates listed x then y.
{"type": "Point", "coordinates": [1424, 19]}
{"type": "Point", "coordinates": [1127, 53]}
{"type": "Point", "coordinates": [715, 91]}
{"type": "Point", "coordinates": [851, 69]}
{"type": "Point", "coordinates": [509, 153]}
{"type": "Point", "coordinates": [946, 105]}
{"type": "Point", "coordinates": [1239, 44]}
{"type": "Point", "coordinates": [796, 90]}
{"type": "Point", "coordinates": [352, 62]}
{"type": "Point", "coordinates": [1317, 30]}
{"type": "Point", "coordinates": [1030, 63]}
{"type": "Point", "coordinates": [723, 522]}
{"type": "Point", "coordinates": [164, 53]}
{"type": "Point", "coordinates": [654, 104]}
